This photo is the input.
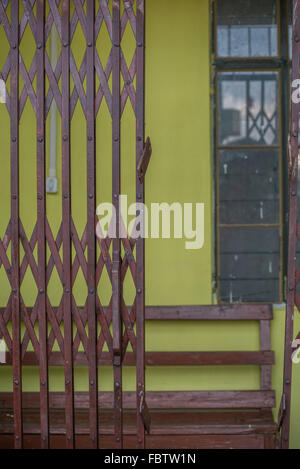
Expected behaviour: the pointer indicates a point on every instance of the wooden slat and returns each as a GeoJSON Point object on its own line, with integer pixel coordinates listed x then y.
{"type": "Point", "coordinates": [41, 226]}
{"type": "Point", "coordinates": [140, 242]}
{"type": "Point", "coordinates": [116, 256]}
{"type": "Point", "coordinates": [91, 240]}
{"type": "Point", "coordinates": [156, 400]}
{"type": "Point", "coordinates": [200, 313]}
{"type": "Point", "coordinates": [15, 254]}
{"type": "Point", "coordinates": [66, 214]}
{"type": "Point", "coordinates": [162, 359]}
{"type": "Point", "coordinates": [154, 442]}
{"type": "Point", "coordinates": [265, 344]}
{"type": "Point", "coordinates": [164, 422]}
{"type": "Point", "coordinates": [210, 312]}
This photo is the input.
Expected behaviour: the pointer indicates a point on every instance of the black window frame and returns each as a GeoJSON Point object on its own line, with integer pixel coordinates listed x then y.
{"type": "Point", "coordinates": [282, 65]}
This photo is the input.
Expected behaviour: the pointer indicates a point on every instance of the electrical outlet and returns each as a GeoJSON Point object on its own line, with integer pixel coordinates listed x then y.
{"type": "Point", "coordinates": [51, 185]}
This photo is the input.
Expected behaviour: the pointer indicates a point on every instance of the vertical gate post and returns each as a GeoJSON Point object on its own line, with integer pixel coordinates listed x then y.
{"type": "Point", "coordinates": [66, 214]}
{"type": "Point", "coordinates": [116, 258]}
{"type": "Point", "coordinates": [140, 243]}
{"type": "Point", "coordinates": [15, 252]}
{"type": "Point", "coordinates": [91, 237]}
{"type": "Point", "coordinates": [41, 234]}
{"type": "Point", "coordinates": [293, 192]}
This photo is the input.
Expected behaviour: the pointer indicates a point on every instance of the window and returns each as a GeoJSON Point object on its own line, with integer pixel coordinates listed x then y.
{"type": "Point", "coordinates": [251, 127]}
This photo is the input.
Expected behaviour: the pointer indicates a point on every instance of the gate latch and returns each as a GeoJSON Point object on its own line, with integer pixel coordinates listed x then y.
{"type": "Point", "coordinates": [144, 160]}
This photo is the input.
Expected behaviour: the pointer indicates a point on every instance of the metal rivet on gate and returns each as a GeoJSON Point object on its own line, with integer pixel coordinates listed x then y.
{"type": "Point", "coordinates": [140, 44]}
{"type": "Point", "coordinates": [14, 46]}
{"type": "Point", "coordinates": [66, 196]}
{"type": "Point", "coordinates": [90, 138]}
{"type": "Point", "coordinates": [117, 384]}
{"type": "Point", "coordinates": [41, 290]}
{"type": "Point", "coordinates": [139, 196]}
{"type": "Point", "coordinates": [66, 44]}
{"type": "Point", "coordinates": [65, 138]}
{"type": "Point", "coordinates": [44, 438]}
{"type": "Point", "coordinates": [16, 381]}
{"type": "Point", "coordinates": [139, 290]}
{"type": "Point", "coordinates": [67, 382]}
{"type": "Point", "coordinates": [92, 382]}
{"type": "Point", "coordinates": [67, 290]}
{"type": "Point", "coordinates": [14, 197]}
{"type": "Point", "coordinates": [89, 44]}
{"type": "Point", "coordinates": [296, 38]}
{"type": "Point", "coordinates": [287, 381]}
{"type": "Point", "coordinates": [14, 139]}
{"type": "Point", "coordinates": [115, 196]}
{"type": "Point", "coordinates": [116, 139]}
{"type": "Point", "coordinates": [294, 134]}
{"type": "Point", "coordinates": [128, 82]}
{"type": "Point", "coordinates": [14, 290]}
{"type": "Point", "coordinates": [139, 138]}
{"type": "Point", "coordinates": [17, 437]}
{"type": "Point", "coordinates": [40, 139]}
{"type": "Point", "coordinates": [294, 193]}
{"type": "Point", "coordinates": [39, 46]}
{"type": "Point", "coordinates": [43, 383]}
{"type": "Point", "coordinates": [91, 196]}
{"type": "Point", "coordinates": [92, 291]}
{"type": "Point", "coordinates": [40, 197]}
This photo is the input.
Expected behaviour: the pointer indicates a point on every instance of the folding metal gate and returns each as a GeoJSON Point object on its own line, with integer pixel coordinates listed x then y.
{"type": "Point", "coordinates": [127, 324]}
{"type": "Point", "coordinates": [293, 273]}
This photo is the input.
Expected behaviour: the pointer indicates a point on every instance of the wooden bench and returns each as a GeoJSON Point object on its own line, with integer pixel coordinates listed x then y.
{"type": "Point", "coordinates": [182, 419]}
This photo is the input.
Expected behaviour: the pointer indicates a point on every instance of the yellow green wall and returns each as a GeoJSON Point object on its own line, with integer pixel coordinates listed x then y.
{"type": "Point", "coordinates": [178, 121]}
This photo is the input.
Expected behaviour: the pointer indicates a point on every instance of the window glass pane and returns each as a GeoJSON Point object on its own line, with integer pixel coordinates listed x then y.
{"type": "Point", "coordinates": [249, 264]}
{"type": "Point", "coordinates": [249, 186]}
{"type": "Point", "coordinates": [248, 108]}
{"type": "Point", "coordinates": [247, 28]}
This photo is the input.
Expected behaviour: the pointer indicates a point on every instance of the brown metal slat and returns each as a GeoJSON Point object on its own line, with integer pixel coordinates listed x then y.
{"type": "Point", "coordinates": [15, 253]}
{"type": "Point", "coordinates": [292, 230]}
{"type": "Point", "coordinates": [66, 213]}
{"type": "Point", "coordinates": [140, 242]}
{"type": "Point", "coordinates": [116, 257]}
{"type": "Point", "coordinates": [41, 225]}
{"type": "Point", "coordinates": [91, 239]}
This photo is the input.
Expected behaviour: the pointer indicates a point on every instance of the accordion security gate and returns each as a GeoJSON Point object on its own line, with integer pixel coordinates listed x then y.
{"type": "Point", "coordinates": [95, 326]}
{"type": "Point", "coordinates": [293, 272]}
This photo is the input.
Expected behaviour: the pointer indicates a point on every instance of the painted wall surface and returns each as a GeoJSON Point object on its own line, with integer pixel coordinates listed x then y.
{"type": "Point", "coordinates": [178, 120]}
